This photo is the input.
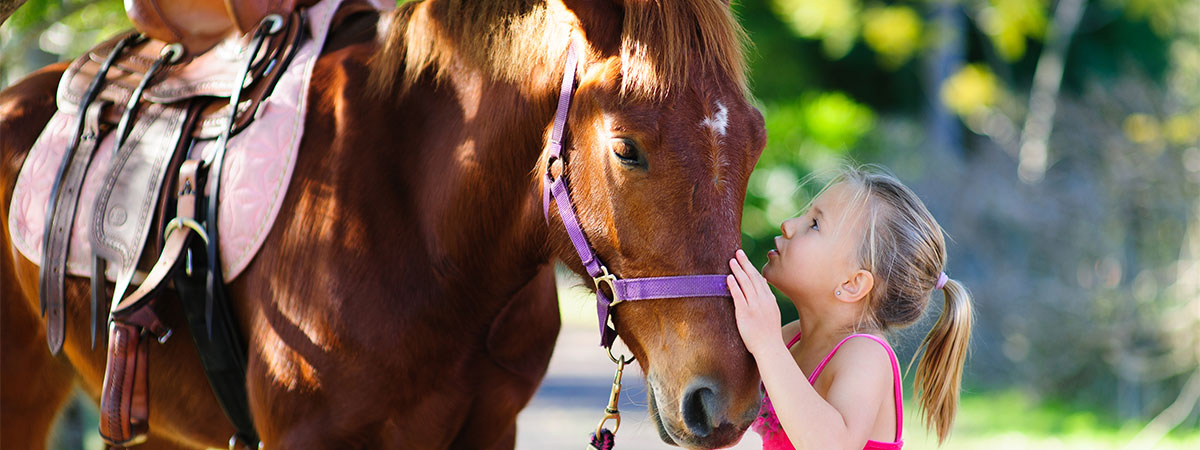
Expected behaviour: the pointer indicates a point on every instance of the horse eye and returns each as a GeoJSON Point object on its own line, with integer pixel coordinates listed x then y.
{"type": "Point", "coordinates": [627, 151]}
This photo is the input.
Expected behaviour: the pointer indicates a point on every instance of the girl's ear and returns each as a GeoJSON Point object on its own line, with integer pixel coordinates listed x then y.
{"type": "Point", "coordinates": [856, 287]}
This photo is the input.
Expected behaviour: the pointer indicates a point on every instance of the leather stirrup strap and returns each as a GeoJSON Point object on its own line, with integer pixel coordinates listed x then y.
{"type": "Point", "coordinates": [124, 402]}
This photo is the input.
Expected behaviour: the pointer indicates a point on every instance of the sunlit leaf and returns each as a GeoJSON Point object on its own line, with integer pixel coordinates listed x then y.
{"type": "Point", "coordinates": [833, 22]}
{"type": "Point", "coordinates": [972, 90]}
{"type": "Point", "coordinates": [1141, 128]}
{"type": "Point", "coordinates": [837, 121]}
{"type": "Point", "coordinates": [1183, 129]}
{"type": "Point", "coordinates": [894, 32]}
{"type": "Point", "coordinates": [1009, 23]}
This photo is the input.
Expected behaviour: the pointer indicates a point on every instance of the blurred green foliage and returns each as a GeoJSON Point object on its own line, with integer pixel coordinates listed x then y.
{"type": "Point", "coordinates": [1082, 279]}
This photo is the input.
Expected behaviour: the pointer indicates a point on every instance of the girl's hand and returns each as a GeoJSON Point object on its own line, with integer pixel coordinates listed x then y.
{"type": "Point", "coordinates": [754, 305]}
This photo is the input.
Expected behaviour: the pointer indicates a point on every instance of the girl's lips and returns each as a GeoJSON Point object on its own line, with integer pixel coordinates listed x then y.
{"type": "Point", "coordinates": [777, 246]}
{"type": "Point", "coordinates": [772, 252]}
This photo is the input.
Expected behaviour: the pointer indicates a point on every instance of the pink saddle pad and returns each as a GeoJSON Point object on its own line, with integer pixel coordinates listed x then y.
{"type": "Point", "coordinates": [258, 167]}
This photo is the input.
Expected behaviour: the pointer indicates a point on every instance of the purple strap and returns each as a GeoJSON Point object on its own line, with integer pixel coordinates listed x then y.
{"type": "Point", "coordinates": [671, 287]}
{"type": "Point", "coordinates": [560, 121]}
{"type": "Point", "coordinates": [623, 289]}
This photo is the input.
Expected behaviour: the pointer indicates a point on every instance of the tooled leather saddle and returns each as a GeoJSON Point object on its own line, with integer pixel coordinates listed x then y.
{"type": "Point", "coordinates": [156, 111]}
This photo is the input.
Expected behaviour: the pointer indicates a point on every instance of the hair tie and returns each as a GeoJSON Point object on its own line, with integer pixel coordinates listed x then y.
{"type": "Point", "coordinates": [941, 282]}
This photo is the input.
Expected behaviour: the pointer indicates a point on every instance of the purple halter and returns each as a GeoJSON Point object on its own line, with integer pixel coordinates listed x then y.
{"type": "Point", "coordinates": [623, 289]}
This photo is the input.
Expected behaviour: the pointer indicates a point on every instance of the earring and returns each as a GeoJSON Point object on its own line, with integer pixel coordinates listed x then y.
{"type": "Point", "coordinates": [837, 292]}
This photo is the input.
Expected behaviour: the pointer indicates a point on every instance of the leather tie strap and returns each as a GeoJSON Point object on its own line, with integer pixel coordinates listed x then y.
{"type": "Point", "coordinates": [62, 223]}
{"type": "Point", "coordinates": [64, 196]}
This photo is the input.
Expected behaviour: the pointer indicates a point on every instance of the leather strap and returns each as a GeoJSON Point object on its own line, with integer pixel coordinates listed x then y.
{"type": "Point", "coordinates": [59, 223]}
{"type": "Point", "coordinates": [62, 222]}
{"type": "Point", "coordinates": [178, 232]}
{"type": "Point", "coordinates": [124, 400]}
{"type": "Point", "coordinates": [124, 404]}
{"type": "Point", "coordinates": [123, 207]}
{"type": "Point", "coordinates": [223, 353]}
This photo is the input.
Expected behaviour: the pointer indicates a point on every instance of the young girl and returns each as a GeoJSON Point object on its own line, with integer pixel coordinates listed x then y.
{"type": "Point", "coordinates": [864, 259]}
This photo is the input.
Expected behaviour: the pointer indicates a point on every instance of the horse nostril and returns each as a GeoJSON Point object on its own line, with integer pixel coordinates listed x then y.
{"type": "Point", "coordinates": [698, 406]}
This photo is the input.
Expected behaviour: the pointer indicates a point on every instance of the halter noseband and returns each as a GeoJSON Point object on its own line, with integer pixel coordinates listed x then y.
{"type": "Point", "coordinates": [623, 289]}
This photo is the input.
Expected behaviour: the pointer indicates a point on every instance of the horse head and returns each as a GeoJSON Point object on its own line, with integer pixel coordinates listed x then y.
{"type": "Point", "coordinates": [658, 150]}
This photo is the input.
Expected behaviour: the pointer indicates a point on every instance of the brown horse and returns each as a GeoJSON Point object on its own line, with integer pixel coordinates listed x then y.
{"type": "Point", "coordinates": [405, 297]}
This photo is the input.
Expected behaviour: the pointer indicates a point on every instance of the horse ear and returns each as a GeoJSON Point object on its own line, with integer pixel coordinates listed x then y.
{"type": "Point", "coordinates": [602, 21]}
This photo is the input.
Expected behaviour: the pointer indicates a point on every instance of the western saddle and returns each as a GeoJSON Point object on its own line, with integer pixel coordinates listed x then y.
{"type": "Point", "coordinates": [195, 70]}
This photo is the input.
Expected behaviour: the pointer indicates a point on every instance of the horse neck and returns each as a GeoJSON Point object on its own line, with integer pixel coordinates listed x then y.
{"type": "Point", "coordinates": [484, 141]}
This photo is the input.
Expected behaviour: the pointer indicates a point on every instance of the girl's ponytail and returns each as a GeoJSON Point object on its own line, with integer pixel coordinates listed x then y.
{"type": "Point", "coordinates": [939, 372]}
{"type": "Point", "coordinates": [905, 249]}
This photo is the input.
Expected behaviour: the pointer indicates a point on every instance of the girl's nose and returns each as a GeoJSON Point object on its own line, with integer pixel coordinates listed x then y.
{"type": "Point", "coordinates": [787, 227]}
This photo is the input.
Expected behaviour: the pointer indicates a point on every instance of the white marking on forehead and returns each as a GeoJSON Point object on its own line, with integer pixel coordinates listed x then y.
{"type": "Point", "coordinates": [717, 121]}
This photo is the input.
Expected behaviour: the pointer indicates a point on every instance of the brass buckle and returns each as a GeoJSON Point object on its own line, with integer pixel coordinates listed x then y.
{"type": "Point", "coordinates": [611, 280]}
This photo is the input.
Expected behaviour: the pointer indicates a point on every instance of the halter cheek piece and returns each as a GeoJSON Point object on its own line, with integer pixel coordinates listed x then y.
{"type": "Point", "coordinates": [623, 290]}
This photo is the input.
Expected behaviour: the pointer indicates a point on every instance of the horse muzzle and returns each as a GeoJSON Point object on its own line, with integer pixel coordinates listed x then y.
{"type": "Point", "coordinates": [700, 415]}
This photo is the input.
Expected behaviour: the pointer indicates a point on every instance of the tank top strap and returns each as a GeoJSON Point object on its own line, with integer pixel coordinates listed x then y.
{"type": "Point", "coordinates": [794, 340]}
{"type": "Point", "coordinates": [896, 383]}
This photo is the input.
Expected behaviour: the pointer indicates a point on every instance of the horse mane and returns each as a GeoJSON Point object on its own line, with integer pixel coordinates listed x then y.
{"type": "Point", "coordinates": [661, 42]}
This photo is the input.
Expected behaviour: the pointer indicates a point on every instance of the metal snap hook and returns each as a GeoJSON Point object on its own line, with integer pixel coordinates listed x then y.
{"type": "Point", "coordinates": [614, 397]}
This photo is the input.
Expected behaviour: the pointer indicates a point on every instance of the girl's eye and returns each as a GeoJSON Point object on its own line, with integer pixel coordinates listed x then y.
{"type": "Point", "coordinates": [814, 225]}
{"type": "Point", "coordinates": [627, 152]}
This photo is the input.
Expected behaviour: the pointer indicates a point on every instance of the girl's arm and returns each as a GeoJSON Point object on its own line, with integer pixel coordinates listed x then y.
{"type": "Point", "coordinates": [842, 419]}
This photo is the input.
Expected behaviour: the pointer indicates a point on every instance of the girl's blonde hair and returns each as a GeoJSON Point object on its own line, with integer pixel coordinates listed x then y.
{"type": "Point", "coordinates": [905, 251]}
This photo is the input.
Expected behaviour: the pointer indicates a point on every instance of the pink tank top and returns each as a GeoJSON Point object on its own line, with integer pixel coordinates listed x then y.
{"type": "Point", "coordinates": [774, 438]}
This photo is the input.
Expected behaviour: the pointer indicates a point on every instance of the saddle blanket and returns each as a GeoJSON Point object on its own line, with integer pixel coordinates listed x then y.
{"type": "Point", "coordinates": [254, 180]}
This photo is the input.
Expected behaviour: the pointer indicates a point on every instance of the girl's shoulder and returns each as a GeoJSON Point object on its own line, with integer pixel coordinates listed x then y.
{"type": "Point", "coordinates": [866, 358]}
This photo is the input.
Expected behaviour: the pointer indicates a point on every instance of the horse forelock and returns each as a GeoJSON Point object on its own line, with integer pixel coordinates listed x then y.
{"type": "Point", "coordinates": [661, 42]}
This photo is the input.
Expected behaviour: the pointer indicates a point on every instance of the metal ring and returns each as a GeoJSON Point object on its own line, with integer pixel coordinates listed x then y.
{"type": "Point", "coordinates": [611, 280]}
{"type": "Point", "coordinates": [183, 222]}
{"type": "Point", "coordinates": [172, 53]}
{"type": "Point", "coordinates": [623, 360]}
{"type": "Point", "coordinates": [276, 22]}
{"type": "Point", "coordinates": [163, 339]}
